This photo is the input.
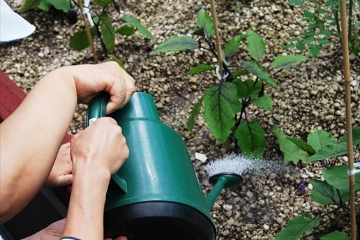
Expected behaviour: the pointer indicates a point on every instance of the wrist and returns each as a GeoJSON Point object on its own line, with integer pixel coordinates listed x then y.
{"type": "Point", "coordinates": [88, 195]}
{"type": "Point", "coordinates": [90, 171]}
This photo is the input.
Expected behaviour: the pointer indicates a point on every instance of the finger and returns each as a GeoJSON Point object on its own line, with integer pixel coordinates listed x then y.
{"type": "Point", "coordinates": [66, 145]}
{"type": "Point", "coordinates": [66, 180]}
{"type": "Point", "coordinates": [63, 180]}
{"type": "Point", "coordinates": [121, 238]}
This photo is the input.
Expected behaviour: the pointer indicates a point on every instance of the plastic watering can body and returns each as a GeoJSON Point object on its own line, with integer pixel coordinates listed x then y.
{"type": "Point", "coordinates": [156, 193]}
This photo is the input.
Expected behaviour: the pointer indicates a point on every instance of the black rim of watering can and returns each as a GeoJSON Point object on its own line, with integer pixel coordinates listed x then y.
{"type": "Point", "coordinates": [158, 220]}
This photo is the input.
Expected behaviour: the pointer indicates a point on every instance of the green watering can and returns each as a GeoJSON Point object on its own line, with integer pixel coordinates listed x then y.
{"type": "Point", "coordinates": [155, 195]}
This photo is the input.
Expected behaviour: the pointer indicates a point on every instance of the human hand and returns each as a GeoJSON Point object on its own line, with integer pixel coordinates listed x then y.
{"type": "Point", "coordinates": [55, 232]}
{"type": "Point", "coordinates": [102, 145]}
{"type": "Point", "coordinates": [61, 172]}
{"type": "Point", "coordinates": [52, 232]}
{"type": "Point", "coordinates": [108, 77]}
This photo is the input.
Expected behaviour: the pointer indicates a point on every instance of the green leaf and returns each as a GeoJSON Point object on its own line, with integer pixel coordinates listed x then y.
{"type": "Point", "coordinates": [291, 152]}
{"type": "Point", "coordinates": [63, 5]}
{"type": "Point", "coordinates": [308, 40]}
{"type": "Point", "coordinates": [282, 62]}
{"type": "Point", "coordinates": [308, 15]}
{"type": "Point", "coordinates": [325, 32]}
{"type": "Point", "coordinates": [302, 145]}
{"type": "Point", "coordinates": [177, 43]}
{"type": "Point", "coordinates": [355, 136]}
{"type": "Point", "coordinates": [247, 88]}
{"type": "Point", "coordinates": [201, 68]}
{"type": "Point", "coordinates": [194, 113]}
{"type": "Point", "coordinates": [233, 45]}
{"type": "Point", "coordinates": [319, 198]}
{"type": "Point", "coordinates": [288, 46]}
{"type": "Point", "coordinates": [336, 235]}
{"type": "Point", "coordinates": [323, 188]}
{"type": "Point", "coordinates": [320, 139]}
{"type": "Point", "coordinates": [258, 71]}
{"type": "Point", "coordinates": [126, 30]}
{"type": "Point", "coordinates": [297, 227]}
{"type": "Point", "coordinates": [205, 22]}
{"type": "Point", "coordinates": [221, 105]}
{"type": "Point", "coordinates": [29, 4]}
{"type": "Point", "coordinates": [296, 2]}
{"type": "Point", "coordinates": [118, 61]}
{"type": "Point", "coordinates": [356, 49]}
{"type": "Point", "coordinates": [309, 34]}
{"type": "Point", "coordinates": [315, 50]}
{"type": "Point", "coordinates": [321, 10]}
{"type": "Point", "coordinates": [198, 31]}
{"type": "Point", "coordinates": [44, 5]}
{"type": "Point", "coordinates": [329, 151]}
{"type": "Point", "coordinates": [79, 41]}
{"type": "Point", "coordinates": [251, 138]}
{"type": "Point", "coordinates": [136, 23]}
{"type": "Point", "coordinates": [264, 102]}
{"type": "Point", "coordinates": [103, 3]}
{"type": "Point", "coordinates": [323, 41]}
{"type": "Point", "coordinates": [338, 177]}
{"type": "Point", "coordinates": [300, 46]}
{"type": "Point", "coordinates": [107, 32]}
{"type": "Point", "coordinates": [240, 73]}
{"type": "Point", "coordinates": [256, 45]}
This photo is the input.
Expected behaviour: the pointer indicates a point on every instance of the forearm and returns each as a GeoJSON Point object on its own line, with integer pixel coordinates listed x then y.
{"type": "Point", "coordinates": [31, 137]}
{"type": "Point", "coordinates": [86, 208]}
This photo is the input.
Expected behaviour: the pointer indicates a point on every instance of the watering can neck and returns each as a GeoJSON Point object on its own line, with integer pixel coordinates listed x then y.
{"type": "Point", "coordinates": [140, 106]}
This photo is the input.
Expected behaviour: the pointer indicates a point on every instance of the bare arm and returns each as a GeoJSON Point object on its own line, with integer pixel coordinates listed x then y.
{"type": "Point", "coordinates": [30, 138]}
{"type": "Point", "coordinates": [97, 152]}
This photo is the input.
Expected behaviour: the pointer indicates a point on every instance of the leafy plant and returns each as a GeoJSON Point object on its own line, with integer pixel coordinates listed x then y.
{"type": "Point", "coordinates": [105, 31]}
{"type": "Point", "coordinates": [63, 5]}
{"type": "Point", "coordinates": [323, 23]}
{"type": "Point", "coordinates": [226, 103]}
{"type": "Point", "coordinates": [102, 30]}
{"type": "Point", "coordinates": [334, 190]}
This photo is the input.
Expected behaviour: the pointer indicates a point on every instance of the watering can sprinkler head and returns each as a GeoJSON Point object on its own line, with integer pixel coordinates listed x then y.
{"type": "Point", "coordinates": [223, 173]}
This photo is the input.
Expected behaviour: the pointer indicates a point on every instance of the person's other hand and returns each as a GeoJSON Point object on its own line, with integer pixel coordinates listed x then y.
{"type": "Point", "coordinates": [61, 172]}
{"type": "Point", "coordinates": [101, 145]}
{"type": "Point", "coordinates": [55, 232]}
{"type": "Point", "coordinates": [52, 232]}
{"type": "Point", "coordinates": [108, 77]}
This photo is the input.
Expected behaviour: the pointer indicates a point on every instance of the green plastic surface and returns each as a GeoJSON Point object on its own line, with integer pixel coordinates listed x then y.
{"type": "Point", "coordinates": [159, 167]}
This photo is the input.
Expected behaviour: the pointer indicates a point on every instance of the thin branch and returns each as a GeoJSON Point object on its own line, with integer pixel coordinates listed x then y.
{"type": "Point", "coordinates": [88, 33]}
{"type": "Point", "coordinates": [217, 35]}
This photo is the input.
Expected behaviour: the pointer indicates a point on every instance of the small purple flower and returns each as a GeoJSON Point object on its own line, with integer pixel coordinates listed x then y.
{"type": "Point", "coordinates": [302, 187]}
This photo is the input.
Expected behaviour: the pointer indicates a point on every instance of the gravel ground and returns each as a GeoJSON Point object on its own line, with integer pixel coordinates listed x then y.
{"type": "Point", "coordinates": [310, 97]}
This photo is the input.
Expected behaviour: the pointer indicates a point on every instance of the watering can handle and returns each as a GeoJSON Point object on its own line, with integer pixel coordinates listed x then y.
{"type": "Point", "coordinates": [97, 109]}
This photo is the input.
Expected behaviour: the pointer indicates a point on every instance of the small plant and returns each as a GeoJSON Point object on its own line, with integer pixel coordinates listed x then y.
{"type": "Point", "coordinates": [226, 103]}
{"type": "Point", "coordinates": [334, 190]}
{"type": "Point", "coordinates": [323, 23]}
{"type": "Point", "coordinates": [101, 26]}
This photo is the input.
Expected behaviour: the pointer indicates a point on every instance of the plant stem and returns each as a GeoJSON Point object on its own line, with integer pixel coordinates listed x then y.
{"type": "Point", "coordinates": [350, 18]}
{"type": "Point", "coordinates": [217, 35]}
{"type": "Point", "coordinates": [346, 63]}
{"type": "Point", "coordinates": [88, 33]}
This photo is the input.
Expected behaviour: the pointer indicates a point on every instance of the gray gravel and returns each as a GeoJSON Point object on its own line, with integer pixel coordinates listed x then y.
{"type": "Point", "coordinates": [310, 97]}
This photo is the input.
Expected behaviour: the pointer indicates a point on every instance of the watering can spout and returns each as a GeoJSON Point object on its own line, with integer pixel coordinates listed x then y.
{"type": "Point", "coordinates": [221, 181]}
